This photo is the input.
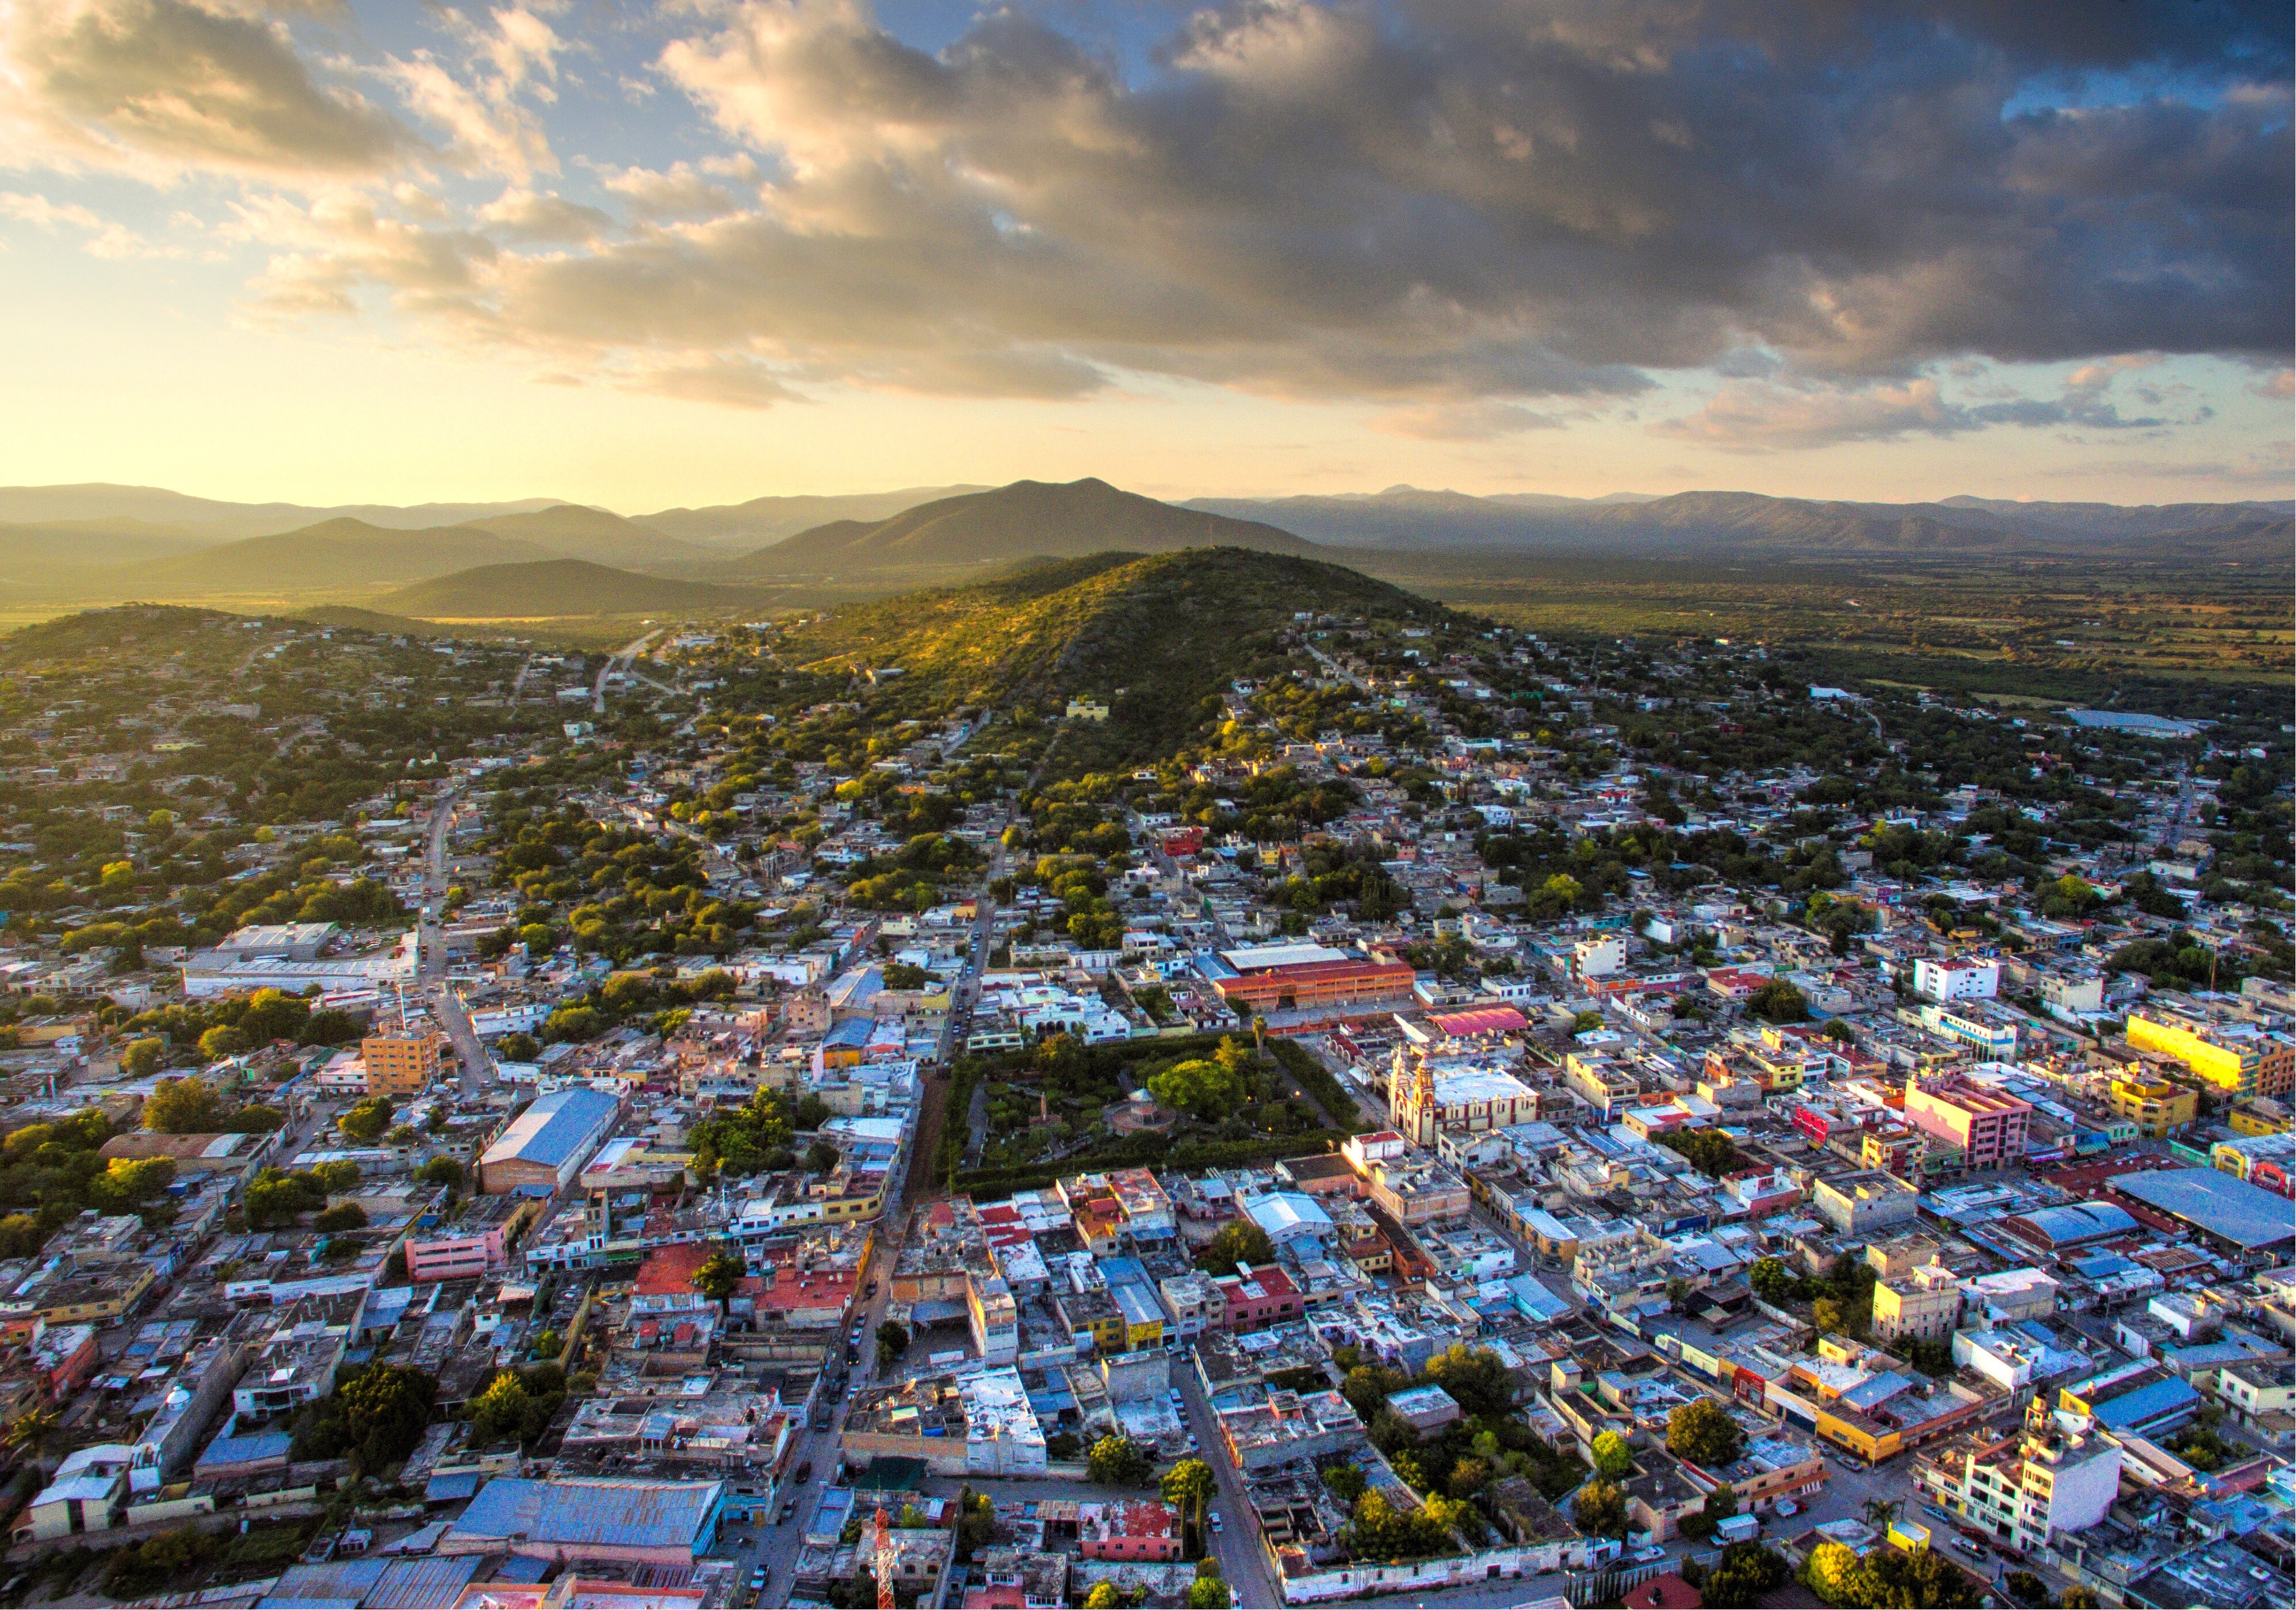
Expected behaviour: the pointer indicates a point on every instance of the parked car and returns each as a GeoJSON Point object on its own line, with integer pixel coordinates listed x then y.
{"type": "Point", "coordinates": [1213, 1515]}
{"type": "Point", "coordinates": [805, 1473]}
{"type": "Point", "coordinates": [789, 1509]}
{"type": "Point", "coordinates": [757, 1580]}
{"type": "Point", "coordinates": [1647, 1554]}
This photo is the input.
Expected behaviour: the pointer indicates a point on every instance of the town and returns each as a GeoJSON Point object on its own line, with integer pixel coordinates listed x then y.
{"type": "Point", "coordinates": [1376, 1103]}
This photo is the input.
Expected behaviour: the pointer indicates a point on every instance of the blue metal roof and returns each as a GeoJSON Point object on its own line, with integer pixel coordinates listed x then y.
{"type": "Point", "coordinates": [602, 1514]}
{"type": "Point", "coordinates": [2136, 1410]}
{"type": "Point", "coordinates": [2248, 1216]}
{"type": "Point", "coordinates": [555, 1128]}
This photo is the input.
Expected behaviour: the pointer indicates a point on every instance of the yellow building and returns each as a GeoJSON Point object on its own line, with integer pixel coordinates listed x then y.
{"type": "Point", "coordinates": [2156, 1107]}
{"type": "Point", "coordinates": [2240, 1062]}
{"type": "Point", "coordinates": [1925, 1302]}
{"type": "Point", "coordinates": [2261, 1116]}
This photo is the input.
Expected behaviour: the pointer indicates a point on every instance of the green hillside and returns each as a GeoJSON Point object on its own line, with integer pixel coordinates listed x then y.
{"type": "Point", "coordinates": [1028, 518]}
{"type": "Point", "coordinates": [550, 587]}
{"type": "Point", "coordinates": [335, 555]}
{"type": "Point", "coordinates": [1156, 637]}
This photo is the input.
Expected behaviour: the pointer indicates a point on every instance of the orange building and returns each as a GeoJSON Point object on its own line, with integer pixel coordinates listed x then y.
{"type": "Point", "coordinates": [402, 1063]}
{"type": "Point", "coordinates": [1290, 977]}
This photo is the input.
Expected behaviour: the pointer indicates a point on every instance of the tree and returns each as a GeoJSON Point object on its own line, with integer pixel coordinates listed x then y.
{"type": "Point", "coordinates": [718, 1277]}
{"type": "Point", "coordinates": [144, 1057]}
{"type": "Point", "coordinates": [1773, 1282]}
{"type": "Point", "coordinates": [221, 1041]}
{"type": "Point", "coordinates": [2027, 1588]}
{"type": "Point", "coordinates": [821, 1157]}
{"type": "Point", "coordinates": [183, 1106]}
{"type": "Point", "coordinates": [1476, 1377]}
{"type": "Point", "coordinates": [368, 1120]}
{"type": "Point", "coordinates": [1601, 1509]}
{"type": "Point", "coordinates": [1206, 1592]}
{"type": "Point", "coordinates": [1116, 1460]}
{"type": "Point", "coordinates": [1746, 1572]}
{"type": "Point", "coordinates": [1345, 1483]}
{"type": "Point", "coordinates": [1367, 1387]}
{"type": "Point", "coordinates": [1239, 1240]}
{"type": "Point", "coordinates": [507, 1409]}
{"type": "Point", "coordinates": [1834, 1572]}
{"type": "Point", "coordinates": [1881, 1513]}
{"type": "Point", "coordinates": [1188, 1487]}
{"type": "Point", "coordinates": [1827, 1316]}
{"type": "Point", "coordinates": [1720, 1505]}
{"type": "Point", "coordinates": [443, 1171]}
{"type": "Point", "coordinates": [376, 1414]}
{"type": "Point", "coordinates": [1614, 1459]}
{"type": "Point", "coordinates": [255, 1119]}
{"type": "Point", "coordinates": [1779, 1002]}
{"type": "Point", "coordinates": [1102, 1596]}
{"type": "Point", "coordinates": [1703, 1433]}
{"type": "Point", "coordinates": [342, 1216]}
{"type": "Point", "coordinates": [892, 1342]}
{"type": "Point", "coordinates": [2077, 1598]}
{"type": "Point", "coordinates": [516, 1047]}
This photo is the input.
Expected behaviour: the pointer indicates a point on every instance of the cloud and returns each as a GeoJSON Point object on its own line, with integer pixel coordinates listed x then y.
{"type": "Point", "coordinates": [159, 88]}
{"type": "Point", "coordinates": [729, 381]}
{"type": "Point", "coordinates": [1761, 416]}
{"type": "Point", "coordinates": [1799, 412]}
{"type": "Point", "coordinates": [37, 209]}
{"type": "Point", "coordinates": [523, 215]}
{"type": "Point", "coordinates": [1454, 213]}
{"type": "Point", "coordinates": [1463, 422]}
{"type": "Point", "coordinates": [679, 192]}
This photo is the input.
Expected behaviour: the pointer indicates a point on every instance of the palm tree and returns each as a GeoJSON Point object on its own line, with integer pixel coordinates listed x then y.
{"type": "Point", "coordinates": [1880, 1513]}
{"type": "Point", "coordinates": [28, 1436]}
{"type": "Point", "coordinates": [718, 1277]}
{"type": "Point", "coordinates": [1259, 1037]}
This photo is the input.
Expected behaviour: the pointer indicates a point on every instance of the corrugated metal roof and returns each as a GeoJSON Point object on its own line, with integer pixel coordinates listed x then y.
{"type": "Point", "coordinates": [554, 1127]}
{"type": "Point", "coordinates": [421, 1584]}
{"type": "Point", "coordinates": [606, 1514]}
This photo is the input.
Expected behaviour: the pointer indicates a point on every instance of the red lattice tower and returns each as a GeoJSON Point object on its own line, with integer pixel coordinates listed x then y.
{"type": "Point", "coordinates": [883, 1550]}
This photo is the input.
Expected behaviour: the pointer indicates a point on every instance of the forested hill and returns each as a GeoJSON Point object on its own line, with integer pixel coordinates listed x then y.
{"type": "Point", "coordinates": [1159, 637]}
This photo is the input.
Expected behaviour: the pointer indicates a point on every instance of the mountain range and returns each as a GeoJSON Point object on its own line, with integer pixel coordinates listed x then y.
{"type": "Point", "coordinates": [86, 543]}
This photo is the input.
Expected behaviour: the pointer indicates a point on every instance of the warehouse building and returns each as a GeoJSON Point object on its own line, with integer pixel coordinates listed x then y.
{"type": "Point", "coordinates": [546, 1145]}
{"type": "Point", "coordinates": [2233, 1217]}
{"type": "Point", "coordinates": [634, 1522]}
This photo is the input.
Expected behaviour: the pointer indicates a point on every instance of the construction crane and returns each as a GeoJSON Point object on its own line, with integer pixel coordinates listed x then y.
{"type": "Point", "coordinates": [882, 1550]}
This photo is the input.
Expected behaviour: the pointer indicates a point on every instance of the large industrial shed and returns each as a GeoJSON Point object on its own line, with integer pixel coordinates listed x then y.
{"type": "Point", "coordinates": [546, 1144]}
{"type": "Point", "coordinates": [636, 1522]}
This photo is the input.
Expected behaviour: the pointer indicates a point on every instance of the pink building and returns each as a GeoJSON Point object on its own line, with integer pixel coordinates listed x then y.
{"type": "Point", "coordinates": [1255, 1297]}
{"type": "Point", "coordinates": [1987, 1124]}
{"type": "Point", "coordinates": [475, 1243]}
{"type": "Point", "coordinates": [1140, 1529]}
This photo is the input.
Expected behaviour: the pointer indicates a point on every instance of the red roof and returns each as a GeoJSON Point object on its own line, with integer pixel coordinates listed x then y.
{"type": "Point", "coordinates": [1667, 1592]}
{"type": "Point", "coordinates": [1481, 1020]}
{"type": "Point", "coordinates": [670, 1269]}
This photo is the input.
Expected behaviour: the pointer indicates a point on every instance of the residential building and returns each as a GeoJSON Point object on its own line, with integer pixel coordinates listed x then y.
{"type": "Point", "coordinates": [2156, 1106]}
{"type": "Point", "coordinates": [402, 1063]}
{"type": "Point", "coordinates": [1925, 1303]}
{"type": "Point", "coordinates": [1865, 1201]}
{"type": "Point", "coordinates": [1989, 1125]}
{"type": "Point", "coordinates": [2026, 1489]}
{"type": "Point", "coordinates": [1957, 978]}
{"type": "Point", "coordinates": [2236, 1060]}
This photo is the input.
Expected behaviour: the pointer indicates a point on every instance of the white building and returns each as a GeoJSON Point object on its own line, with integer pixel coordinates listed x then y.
{"type": "Point", "coordinates": [1598, 958]}
{"type": "Point", "coordinates": [1957, 978]}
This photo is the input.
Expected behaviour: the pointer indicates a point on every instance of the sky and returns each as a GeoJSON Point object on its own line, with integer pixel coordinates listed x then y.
{"type": "Point", "coordinates": [647, 255]}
